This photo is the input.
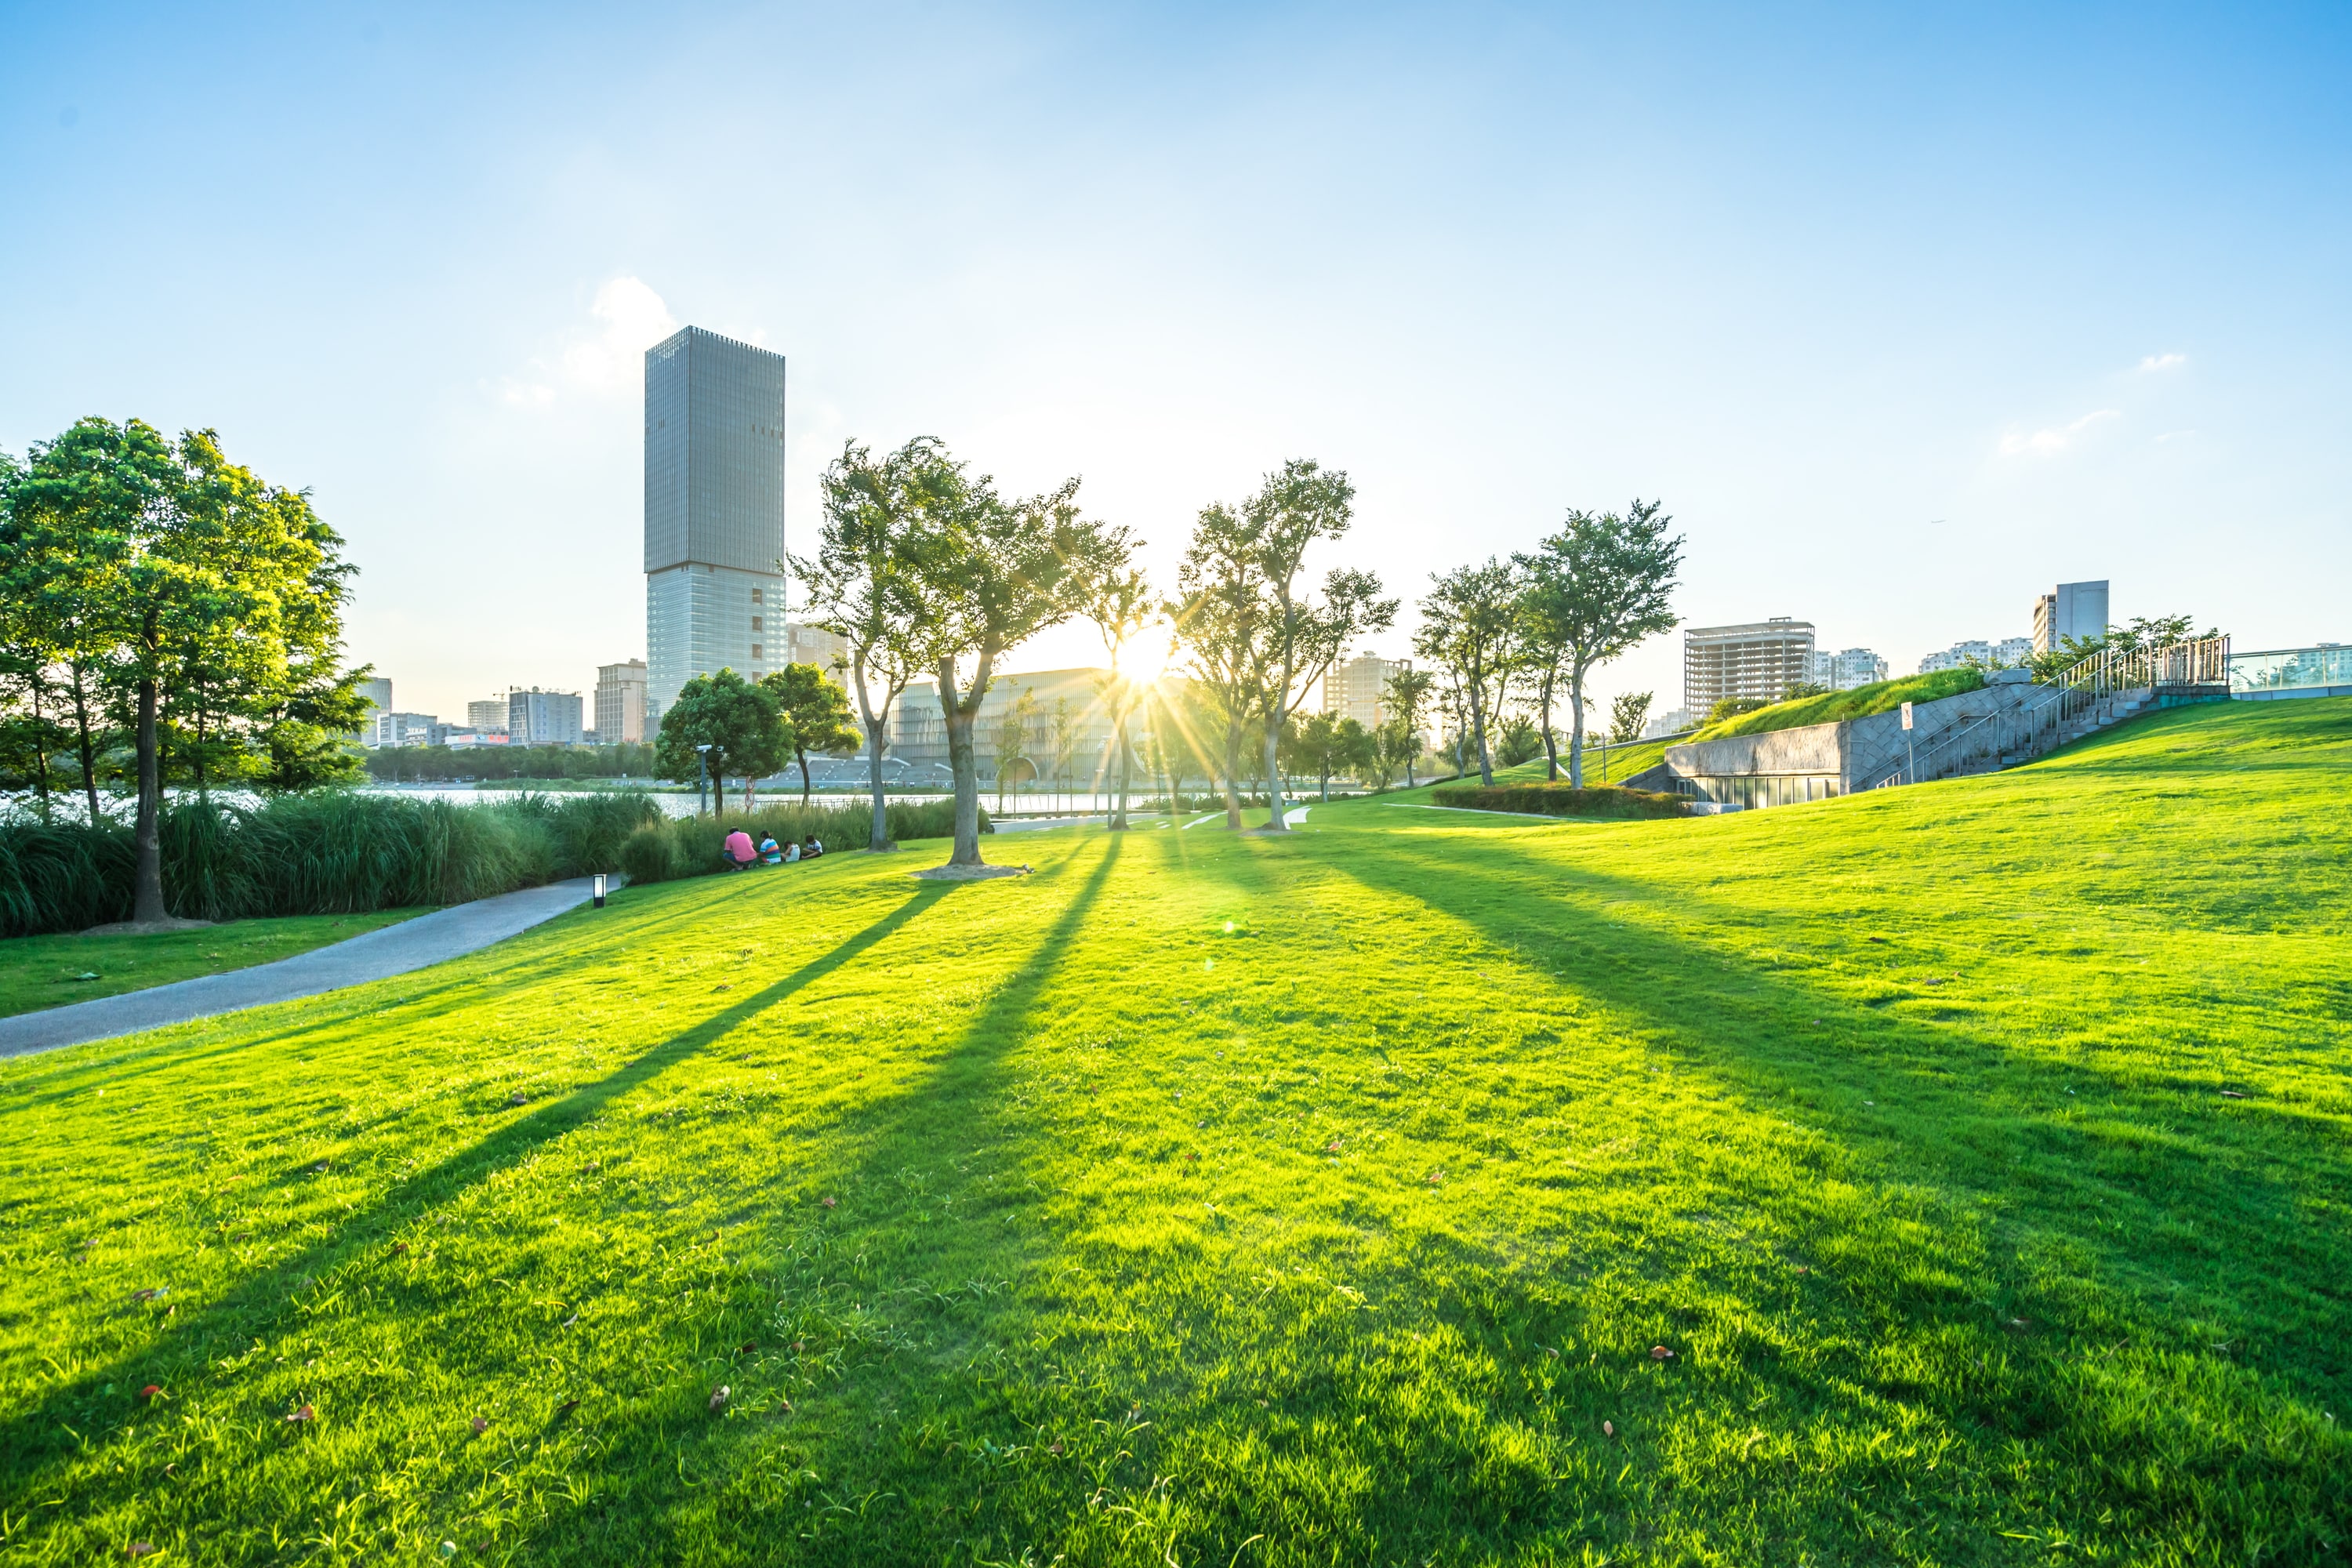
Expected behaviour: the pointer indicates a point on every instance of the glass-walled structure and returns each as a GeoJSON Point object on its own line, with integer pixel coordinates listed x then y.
{"type": "Point", "coordinates": [2324, 671]}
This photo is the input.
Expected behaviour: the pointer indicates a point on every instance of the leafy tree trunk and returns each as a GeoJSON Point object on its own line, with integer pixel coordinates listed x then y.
{"type": "Point", "coordinates": [1126, 765]}
{"type": "Point", "coordinates": [85, 741]}
{"type": "Point", "coordinates": [1576, 729]}
{"type": "Point", "coordinates": [147, 894]}
{"type": "Point", "coordinates": [1275, 824]}
{"type": "Point", "coordinates": [878, 837]}
{"type": "Point", "coordinates": [1478, 732]}
{"type": "Point", "coordinates": [1551, 746]}
{"type": "Point", "coordinates": [800, 754]}
{"type": "Point", "coordinates": [964, 759]}
{"type": "Point", "coordinates": [1232, 775]}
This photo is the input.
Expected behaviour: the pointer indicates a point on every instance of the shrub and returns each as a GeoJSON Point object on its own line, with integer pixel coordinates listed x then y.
{"type": "Point", "coordinates": [1561, 800]}
{"type": "Point", "coordinates": [691, 846]}
{"type": "Point", "coordinates": [325, 852]}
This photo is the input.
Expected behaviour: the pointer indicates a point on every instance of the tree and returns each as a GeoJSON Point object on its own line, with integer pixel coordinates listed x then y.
{"type": "Point", "coordinates": [1519, 741]}
{"type": "Point", "coordinates": [1121, 608]}
{"type": "Point", "coordinates": [1402, 696]}
{"type": "Point", "coordinates": [1593, 590]}
{"type": "Point", "coordinates": [858, 584]}
{"type": "Point", "coordinates": [1628, 710]}
{"type": "Point", "coordinates": [178, 587]}
{"type": "Point", "coordinates": [1217, 615]}
{"type": "Point", "coordinates": [987, 574]}
{"type": "Point", "coordinates": [1013, 728]}
{"type": "Point", "coordinates": [736, 718]}
{"type": "Point", "coordinates": [1733, 706]}
{"type": "Point", "coordinates": [1470, 625]}
{"type": "Point", "coordinates": [815, 711]}
{"type": "Point", "coordinates": [1393, 745]}
{"type": "Point", "coordinates": [305, 737]}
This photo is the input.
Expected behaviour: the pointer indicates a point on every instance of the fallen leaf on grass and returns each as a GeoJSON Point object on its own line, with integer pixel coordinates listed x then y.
{"type": "Point", "coordinates": [1659, 1352]}
{"type": "Point", "coordinates": [149, 1293]}
{"type": "Point", "coordinates": [139, 1549]}
{"type": "Point", "coordinates": [730, 987]}
{"type": "Point", "coordinates": [568, 1406]}
{"type": "Point", "coordinates": [749, 1346]}
{"type": "Point", "coordinates": [321, 1168]}
{"type": "Point", "coordinates": [719, 1397]}
{"type": "Point", "coordinates": [796, 1344]}
{"type": "Point", "coordinates": [1609, 1428]}
{"type": "Point", "coordinates": [151, 1391]}
{"type": "Point", "coordinates": [305, 1414]}
{"type": "Point", "coordinates": [398, 1248]}
{"type": "Point", "coordinates": [480, 1426]}
{"type": "Point", "coordinates": [1436, 1178]}
{"type": "Point", "coordinates": [2231, 1094]}
{"type": "Point", "coordinates": [517, 1098]}
{"type": "Point", "coordinates": [829, 1203]}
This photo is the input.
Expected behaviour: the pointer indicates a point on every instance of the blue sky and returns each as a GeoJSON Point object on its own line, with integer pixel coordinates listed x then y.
{"type": "Point", "coordinates": [1908, 313]}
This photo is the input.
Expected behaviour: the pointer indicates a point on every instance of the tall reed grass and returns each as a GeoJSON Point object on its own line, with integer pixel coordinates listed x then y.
{"type": "Point", "coordinates": [328, 852]}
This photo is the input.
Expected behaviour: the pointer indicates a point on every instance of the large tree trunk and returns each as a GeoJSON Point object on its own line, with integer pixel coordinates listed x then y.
{"type": "Point", "coordinates": [801, 753]}
{"type": "Point", "coordinates": [1232, 775]}
{"type": "Point", "coordinates": [1551, 747]}
{"type": "Point", "coordinates": [89, 745]}
{"type": "Point", "coordinates": [1275, 824]}
{"type": "Point", "coordinates": [1576, 731]}
{"type": "Point", "coordinates": [879, 837]}
{"type": "Point", "coordinates": [1478, 732]}
{"type": "Point", "coordinates": [147, 890]}
{"type": "Point", "coordinates": [964, 760]}
{"type": "Point", "coordinates": [1126, 765]}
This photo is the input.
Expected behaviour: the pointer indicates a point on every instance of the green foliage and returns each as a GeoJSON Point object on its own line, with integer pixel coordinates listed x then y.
{"type": "Point", "coordinates": [1882, 697]}
{"type": "Point", "coordinates": [666, 850]}
{"type": "Point", "coordinates": [1520, 741]}
{"type": "Point", "coordinates": [1561, 799]}
{"type": "Point", "coordinates": [1628, 711]}
{"type": "Point", "coordinates": [815, 714]}
{"type": "Point", "coordinates": [1590, 592]}
{"type": "Point", "coordinates": [1733, 706]}
{"type": "Point", "coordinates": [738, 720]}
{"type": "Point", "coordinates": [328, 852]}
{"type": "Point", "coordinates": [2018, 1224]}
{"type": "Point", "coordinates": [1471, 629]}
{"type": "Point", "coordinates": [2143, 632]}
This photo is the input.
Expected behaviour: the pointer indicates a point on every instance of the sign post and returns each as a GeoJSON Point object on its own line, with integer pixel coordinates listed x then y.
{"type": "Point", "coordinates": [1910, 757]}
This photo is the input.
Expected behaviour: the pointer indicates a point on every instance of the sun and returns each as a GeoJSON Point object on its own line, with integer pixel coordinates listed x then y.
{"type": "Point", "coordinates": [1145, 659]}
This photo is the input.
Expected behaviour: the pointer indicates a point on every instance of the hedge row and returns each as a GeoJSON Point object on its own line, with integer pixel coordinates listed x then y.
{"type": "Point", "coordinates": [1562, 800]}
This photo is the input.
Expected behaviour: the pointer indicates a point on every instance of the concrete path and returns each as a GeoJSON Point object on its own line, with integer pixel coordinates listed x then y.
{"type": "Point", "coordinates": [372, 955]}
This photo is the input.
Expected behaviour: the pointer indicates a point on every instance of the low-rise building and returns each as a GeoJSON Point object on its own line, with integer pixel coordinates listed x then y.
{"type": "Point", "coordinates": [2006, 654]}
{"type": "Point", "coordinates": [1357, 688]}
{"type": "Point", "coordinates": [811, 645]}
{"type": "Point", "coordinates": [487, 715]}
{"type": "Point", "coordinates": [621, 703]}
{"type": "Point", "coordinates": [1844, 671]}
{"type": "Point", "coordinates": [401, 730]}
{"type": "Point", "coordinates": [538, 718]}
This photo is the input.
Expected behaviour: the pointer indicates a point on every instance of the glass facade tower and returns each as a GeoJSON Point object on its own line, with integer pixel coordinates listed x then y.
{"type": "Point", "coordinates": [714, 512]}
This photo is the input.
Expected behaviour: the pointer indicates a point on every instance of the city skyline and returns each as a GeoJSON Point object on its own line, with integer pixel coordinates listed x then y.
{"type": "Point", "coordinates": [2016, 295]}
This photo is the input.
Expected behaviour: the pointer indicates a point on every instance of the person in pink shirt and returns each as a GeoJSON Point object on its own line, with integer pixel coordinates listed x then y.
{"type": "Point", "coordinates": [739, 849]}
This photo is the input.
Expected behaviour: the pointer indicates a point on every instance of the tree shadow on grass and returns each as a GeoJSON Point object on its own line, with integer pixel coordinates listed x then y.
{"type": "Point", "coordinates": [918, 1173]}
{"type": "Point", "coordinates": [34, 1438]}
{"type": "Point", "coordinates": [2099, 1237]}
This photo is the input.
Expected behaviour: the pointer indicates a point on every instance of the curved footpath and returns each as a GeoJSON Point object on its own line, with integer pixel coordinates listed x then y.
{"type": "Point", "coordinates": [374, 955]}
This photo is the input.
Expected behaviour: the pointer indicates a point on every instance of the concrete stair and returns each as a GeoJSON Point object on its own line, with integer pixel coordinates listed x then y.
{"type": "Point", "coordinates": [2104, 714]}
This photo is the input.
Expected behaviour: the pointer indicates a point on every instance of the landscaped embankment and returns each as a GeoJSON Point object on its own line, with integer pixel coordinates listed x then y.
{"type": "Point", "coordinates": [1861, 702]}
{"type": "Point", "coordinates": [1561, 800]}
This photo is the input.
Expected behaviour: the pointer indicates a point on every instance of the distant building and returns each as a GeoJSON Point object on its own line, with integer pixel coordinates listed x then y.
{"type": "Point", "coordinates": [714, 511]}
{"type": "Point", "coordinates": [808, 645]}
{"type": "Point", "coordinates": [1844, 671]}
{"type": "Point", "coordinates": [1673, 721]}
{"type": "Point", "coordinates": [488, 716]}
{"type": "Point", "coordinates": [2075, 610]}
{"type": "Point", "coordinates": [537, 718]}
{"type": "Point", "coordinates": [621, 703]}
{"type": "Point", "coordinates": [402, 730]}
{"type": "Point", "coordinates": [1355, 690]}
{"type": "Point", "coordinates": [2002, 654]}
{"type": "Point", "coordinates": [1757, 660]}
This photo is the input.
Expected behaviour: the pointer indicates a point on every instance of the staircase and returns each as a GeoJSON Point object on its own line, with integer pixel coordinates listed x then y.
{"type": "Point", "coordinates": [2103, 713]}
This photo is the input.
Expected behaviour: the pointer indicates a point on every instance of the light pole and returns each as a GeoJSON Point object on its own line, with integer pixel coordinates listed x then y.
{"type": "Point", "coordinates": [701, 777]}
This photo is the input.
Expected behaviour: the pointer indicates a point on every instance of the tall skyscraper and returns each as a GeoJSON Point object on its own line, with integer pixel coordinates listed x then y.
{"type": "Point", "coordinates": [1355, 690]}
{"type": "Point", "coordinates": [714, 512]}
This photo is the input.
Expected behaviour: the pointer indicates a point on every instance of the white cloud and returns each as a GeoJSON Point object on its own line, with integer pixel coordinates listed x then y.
{"type": "Point", "coordinates": [2163, 361]}
{"type": "Point", "coordinates": [2048, 443]}
{"type": "Point", "coordinates": [633, 319]}
{"type": "Point", "coordinates": [2176, 436]}
{"type": "Point", "coordinates": [525, 394]}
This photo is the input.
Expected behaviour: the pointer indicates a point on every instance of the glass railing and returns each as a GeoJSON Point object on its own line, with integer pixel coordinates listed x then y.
{"type": "Point", "coordinates": [2290, 670]}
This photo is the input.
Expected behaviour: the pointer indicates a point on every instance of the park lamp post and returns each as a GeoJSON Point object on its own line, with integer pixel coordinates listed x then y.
{"type": "Point", "coordinates": [597, 889]}
{"type": "Point", "coordinates": [702, 777]}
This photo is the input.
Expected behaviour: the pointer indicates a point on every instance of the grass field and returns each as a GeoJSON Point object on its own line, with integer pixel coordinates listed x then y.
{"type": "Point", "coordinates": [1957, 1175]}
{"type": "Point", "coordinates": [38, 971]}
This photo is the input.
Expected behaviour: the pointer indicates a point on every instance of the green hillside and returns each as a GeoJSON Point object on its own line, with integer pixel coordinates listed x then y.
{"type": "Point", "coordinates": [1883, 697]}
{"type": "Point", "coordinates": [1955, 1175]}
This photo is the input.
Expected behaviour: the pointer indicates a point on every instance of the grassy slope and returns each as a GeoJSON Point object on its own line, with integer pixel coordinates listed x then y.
{"type": "Point", "coordinates": [38, 971]}
{"type": "Point", "coordinates": [1883, 697]}
{"type": "Point", "coordinates": [1333, 1237]}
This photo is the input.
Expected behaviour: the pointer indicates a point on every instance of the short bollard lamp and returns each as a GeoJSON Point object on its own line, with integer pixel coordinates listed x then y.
{"type": "Point", "coordinates": [599, 889]}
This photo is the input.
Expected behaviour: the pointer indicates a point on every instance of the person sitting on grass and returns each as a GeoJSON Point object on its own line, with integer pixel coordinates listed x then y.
{"type": "Point", "coordinates": [792, 853]}
{"type": "Point", "coordinates": [768, 850]}
{"type": "Point", "coordinates": [739, 853]}
{"type": "Point", "coordinates": [811, 848]}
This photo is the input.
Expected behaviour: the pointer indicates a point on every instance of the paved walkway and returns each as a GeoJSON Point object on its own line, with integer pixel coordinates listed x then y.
{"type": "Point", "coordinates": [372, 955]}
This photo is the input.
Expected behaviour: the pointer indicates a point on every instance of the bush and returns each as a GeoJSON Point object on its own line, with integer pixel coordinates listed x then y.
{"type": "Point", "coordinates": [690, 846]}
{"type": "Point", "coordinates": [325, 852]}
{"type": "Point", "coordinates": [1561, 800]}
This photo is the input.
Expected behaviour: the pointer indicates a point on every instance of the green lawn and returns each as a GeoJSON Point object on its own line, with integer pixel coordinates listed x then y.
{"type": "Point", "coordinates": [38, 971]}
{"type": "Point", "coordinates": [1978, 1150]}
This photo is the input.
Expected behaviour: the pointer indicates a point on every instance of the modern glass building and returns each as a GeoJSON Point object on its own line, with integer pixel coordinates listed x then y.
{"type": "Point", "coordinates": [714, 512]}
{"type": "Point", "coordinates": [2324, 671]}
